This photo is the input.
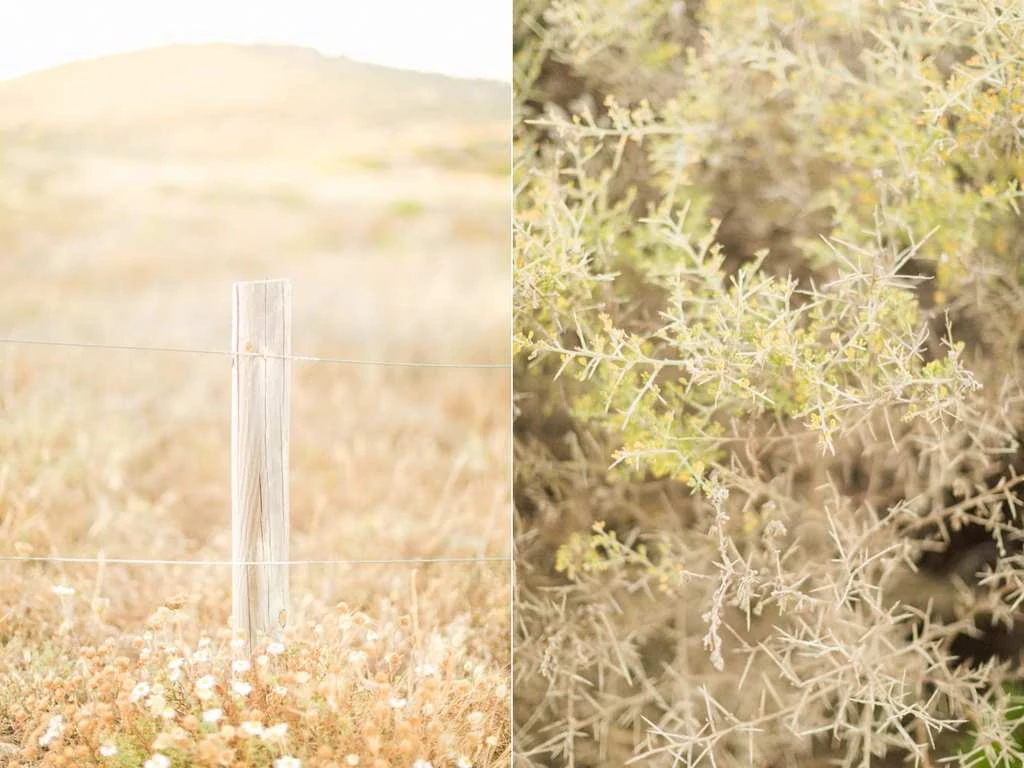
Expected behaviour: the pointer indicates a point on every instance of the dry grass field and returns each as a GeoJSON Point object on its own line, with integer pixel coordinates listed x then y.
{"type": "Point", "coordinates": [133, 191]}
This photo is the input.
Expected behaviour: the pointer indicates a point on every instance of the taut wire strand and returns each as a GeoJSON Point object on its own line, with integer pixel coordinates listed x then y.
{"type": "Point", "coordinates": [268, 356]}
{"type": "Point", "coordinates": [140, 561]}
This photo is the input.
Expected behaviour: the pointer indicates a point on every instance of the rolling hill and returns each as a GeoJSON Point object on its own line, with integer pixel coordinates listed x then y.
{"type": "Point", "coordinates": [221, 101]}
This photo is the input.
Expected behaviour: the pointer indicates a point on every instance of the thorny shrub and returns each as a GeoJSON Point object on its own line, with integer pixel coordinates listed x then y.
{"type": "Point", "coordinates": [768, 273]}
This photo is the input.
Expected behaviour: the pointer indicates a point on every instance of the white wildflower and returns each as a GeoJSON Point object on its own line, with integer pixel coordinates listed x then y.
{"type": "Point", "coordinates": [241, 687]}
{"type": "Point", "coordinates": [275, 732]}
{"type": "Point", "coordinates": [252, 728]}
{"type": "Point", "coordinates": [204, 687]}
{"type": "Point", "coordinates": [53, 730]}
{"type": "Point", "coordinates": [206, 682]}
{"type": "Point", "coordinates": [141, 690]}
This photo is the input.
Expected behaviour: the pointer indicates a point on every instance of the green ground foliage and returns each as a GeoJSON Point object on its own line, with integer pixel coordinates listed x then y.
{"type": "Point", "coordinates": [769, 315]}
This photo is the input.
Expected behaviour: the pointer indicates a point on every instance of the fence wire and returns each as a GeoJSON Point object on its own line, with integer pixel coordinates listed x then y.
{"type": "Point", "coordinates": [264, 355]}
{"type": "Point", "coordinates": [141, 561]}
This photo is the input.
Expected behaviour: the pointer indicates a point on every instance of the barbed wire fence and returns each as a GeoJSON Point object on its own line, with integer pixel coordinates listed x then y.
{"type": "Point", "coordinates": [261, 358]}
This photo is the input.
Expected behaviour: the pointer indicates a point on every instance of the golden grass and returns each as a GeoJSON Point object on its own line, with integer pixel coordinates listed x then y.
{"type": "Point", "coordinates": [126, 454]}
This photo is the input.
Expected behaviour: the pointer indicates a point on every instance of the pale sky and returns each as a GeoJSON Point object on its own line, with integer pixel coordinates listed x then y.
{"type": "Point", "coordinates": [469, 38]}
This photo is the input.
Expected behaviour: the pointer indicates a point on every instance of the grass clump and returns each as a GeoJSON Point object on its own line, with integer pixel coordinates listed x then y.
{"type": "Point", "coordinates": [768, 339]}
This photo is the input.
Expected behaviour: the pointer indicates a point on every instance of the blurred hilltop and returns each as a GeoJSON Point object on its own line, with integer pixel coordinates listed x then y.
{"type": "Point", "coordinates": [220, 101]}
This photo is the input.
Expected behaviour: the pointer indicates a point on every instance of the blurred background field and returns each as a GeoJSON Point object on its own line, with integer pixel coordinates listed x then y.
{"type": "Point", "coordinates": [135, 190]}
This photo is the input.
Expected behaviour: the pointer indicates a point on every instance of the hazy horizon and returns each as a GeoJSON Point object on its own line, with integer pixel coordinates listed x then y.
{"type": "Point", "coordinates": [461, 38]}
{"type": "Point", "coordinates": [254, 44]}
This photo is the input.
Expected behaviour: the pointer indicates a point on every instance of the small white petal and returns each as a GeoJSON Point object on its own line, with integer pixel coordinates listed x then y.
{"type": "Point", "coordinates": [206, 683]}
{"type": "Point", "coordinates": [278, 731]}
{"type": "Point", "coordinates": [252, 728]}
{"type": "Point", "coordinates": [138, 692]}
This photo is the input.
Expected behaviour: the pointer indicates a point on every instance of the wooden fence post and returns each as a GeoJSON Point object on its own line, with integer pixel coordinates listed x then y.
{"type": "Point", "coordinates": [262, 320]}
